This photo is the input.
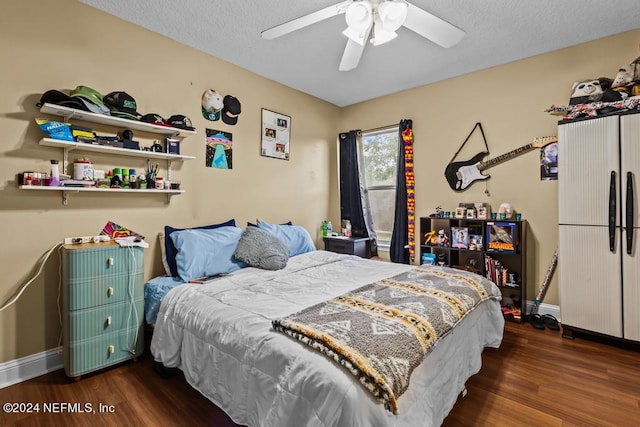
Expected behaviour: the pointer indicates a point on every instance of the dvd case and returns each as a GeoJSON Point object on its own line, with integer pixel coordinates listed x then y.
{"type": "Point", "coordinates": [475, 242]}
{"type": "Point", "coordinates": [501, 236]}
{"type": "Point", "coordinates": [460, 237]}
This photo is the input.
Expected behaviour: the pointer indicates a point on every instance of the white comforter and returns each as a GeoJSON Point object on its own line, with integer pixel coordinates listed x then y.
{"type": "Point", "coordinates": [220, 336]}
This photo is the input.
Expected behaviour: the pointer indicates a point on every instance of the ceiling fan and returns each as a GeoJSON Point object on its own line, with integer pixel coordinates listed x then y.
{"type": "Point", "coordinates": [376, 18]}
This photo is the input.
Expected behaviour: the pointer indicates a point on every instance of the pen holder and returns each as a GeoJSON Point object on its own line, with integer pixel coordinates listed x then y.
{"type": "Point", "coordinates": [151, 181]}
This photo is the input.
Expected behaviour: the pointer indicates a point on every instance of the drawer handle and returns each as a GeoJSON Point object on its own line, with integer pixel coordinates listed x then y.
{"type": "Point", "coordinates": [112, 349]}
{"type": "Point", "coordinates": [109, 261]}
{"type": "Point", "coordinates": [108, 322]}
{"type": "Point", "coordinates": [110, 291]}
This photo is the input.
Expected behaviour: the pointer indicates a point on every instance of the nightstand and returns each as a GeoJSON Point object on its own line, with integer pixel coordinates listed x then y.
{"type": "Point", "coordinates": [102, 305]}
{"type": "Point", "coordinates": [348, 245]}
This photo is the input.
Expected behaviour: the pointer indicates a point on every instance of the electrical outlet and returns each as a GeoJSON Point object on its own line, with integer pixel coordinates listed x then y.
{"type": "Point", "coordinates": [86, 239]}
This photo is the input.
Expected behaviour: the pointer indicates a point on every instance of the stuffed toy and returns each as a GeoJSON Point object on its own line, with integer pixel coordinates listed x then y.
{"type": "Point", "coordinates": [431, 238]}
{"type": "Point", "coordinates": [589, 91]}
{"type": "Point", "coordinates": [443, 239]}
{"type": "Point", "coordinates": [628, 79]}
{"type": "Point", "coordinates": [594, 91]}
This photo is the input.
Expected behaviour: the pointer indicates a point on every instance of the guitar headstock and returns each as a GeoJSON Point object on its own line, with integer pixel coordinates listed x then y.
{"type": "Point", "coordinates": [543, 141]}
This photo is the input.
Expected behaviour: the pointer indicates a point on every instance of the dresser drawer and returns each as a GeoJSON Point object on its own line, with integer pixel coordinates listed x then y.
{"type": "Point", "coordinates": [88, 355]}
{"type": "Point", "coordinates": [86, 261]}
{"type": "Point", "coordinates": [93, 322]}
{"type": "Point", "coordinates": [350, 246]}
{"type": "Point", "coordinates": [101, 284]}
{"type": "Point", "coordinates": [94, 291]}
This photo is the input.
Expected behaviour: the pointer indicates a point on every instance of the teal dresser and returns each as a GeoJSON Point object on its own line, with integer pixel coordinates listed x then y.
{"type": "Point", "coordinates": [102, 305]}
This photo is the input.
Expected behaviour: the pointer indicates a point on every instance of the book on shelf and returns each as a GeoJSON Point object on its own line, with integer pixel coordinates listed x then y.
{"type": "Point", "coordinates": [460, 237]}
{"type": "Point", "coordinates": [428, 259]}
{"type": "Point", "coordinates": [512, 311]}
{"type": "Point", "coordinates": [499, 274]}
{"type": "Point", "coordinates": [501, 236]}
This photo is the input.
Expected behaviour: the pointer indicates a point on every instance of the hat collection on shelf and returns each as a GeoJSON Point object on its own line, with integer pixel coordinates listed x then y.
{"type": "Point", "coordinates": [215, 107]}
{"type": "Point", "coordinates": [117, 104]}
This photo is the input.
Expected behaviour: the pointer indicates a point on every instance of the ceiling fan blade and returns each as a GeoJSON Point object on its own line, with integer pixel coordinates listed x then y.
{"type": "Point", "coordinates": [352, 54]}
{"type": "Point", "coordinates": [304, 21]}
{"type": "Point", "coordinates": [431, 27]}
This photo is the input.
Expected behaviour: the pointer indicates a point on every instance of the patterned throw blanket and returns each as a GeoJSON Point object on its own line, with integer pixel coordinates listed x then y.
{"type": "Point", "coordinates": [382, 331]}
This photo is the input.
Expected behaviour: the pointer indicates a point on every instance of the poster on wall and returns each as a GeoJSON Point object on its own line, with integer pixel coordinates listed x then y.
{"type": "Point", "coordinates": [276, 130]}
{"type": "Point", "coordinates": [219, 149]}
{"type": "Point", "coordinates": [549, 162]}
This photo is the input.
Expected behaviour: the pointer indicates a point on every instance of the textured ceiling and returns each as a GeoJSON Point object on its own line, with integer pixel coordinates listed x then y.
{"type": "Point", "coordinates": [497, 32]}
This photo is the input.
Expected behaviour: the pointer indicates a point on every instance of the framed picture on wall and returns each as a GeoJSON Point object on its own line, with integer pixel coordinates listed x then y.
{"type": "Point", "coordinates": [276, 133]}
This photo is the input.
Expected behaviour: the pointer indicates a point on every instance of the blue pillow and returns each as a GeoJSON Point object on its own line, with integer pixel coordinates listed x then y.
{"type": "Point", "coordinates": [296, 237]}
{"type": "Point", "coordinates": [205, 252]}
{"type": "Point", "coordinates": [251, 224]}
{"type": "Point", "coordinates": [170, 250]}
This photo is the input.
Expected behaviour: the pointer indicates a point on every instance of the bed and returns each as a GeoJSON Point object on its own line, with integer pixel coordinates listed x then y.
{"type": "Point", "coordinates": [222, 336]}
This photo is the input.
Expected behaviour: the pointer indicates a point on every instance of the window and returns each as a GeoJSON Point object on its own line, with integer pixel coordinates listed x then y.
{"type": "Point", "coordinates": [380, 157]}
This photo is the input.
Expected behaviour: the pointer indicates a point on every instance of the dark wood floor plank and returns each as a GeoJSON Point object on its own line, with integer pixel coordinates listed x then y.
{"type": "Point", "coordinates": [535, 378]}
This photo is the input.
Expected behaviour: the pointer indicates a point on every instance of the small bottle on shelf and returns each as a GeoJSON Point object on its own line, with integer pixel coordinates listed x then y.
{"type": "Point", "coordinates": [54, 180]}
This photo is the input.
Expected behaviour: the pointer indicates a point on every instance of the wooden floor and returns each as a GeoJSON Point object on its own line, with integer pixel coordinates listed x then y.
{"type": "Point", "coordinates": [536, 378]}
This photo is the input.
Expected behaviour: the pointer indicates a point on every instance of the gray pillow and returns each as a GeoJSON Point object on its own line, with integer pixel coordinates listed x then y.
{"type": "Point", "coordinates": [262, 249]}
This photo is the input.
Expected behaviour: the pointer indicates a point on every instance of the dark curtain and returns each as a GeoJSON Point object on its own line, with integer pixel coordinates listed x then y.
{"type": "Point", "coordinates": [399, 250]}
{"type": "Point", "coordinates": [351, 206]}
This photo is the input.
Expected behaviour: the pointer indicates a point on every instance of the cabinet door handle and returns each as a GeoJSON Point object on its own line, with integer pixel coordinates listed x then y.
{"type": "Point", "coordinates": [630, 213]}
{"type": "Point", "coordinates": [612, 211]}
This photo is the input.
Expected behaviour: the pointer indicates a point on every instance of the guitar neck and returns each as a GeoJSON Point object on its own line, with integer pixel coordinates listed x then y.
{"type": "Point", "coordinates": [506, 156]}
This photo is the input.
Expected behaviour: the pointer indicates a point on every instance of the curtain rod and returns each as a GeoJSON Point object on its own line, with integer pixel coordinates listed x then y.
{"type": "Point", "coordinates": [380, 128]}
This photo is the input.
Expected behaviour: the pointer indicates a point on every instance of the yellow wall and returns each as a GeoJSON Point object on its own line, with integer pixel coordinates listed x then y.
{"type": "Point", "coordinates": [62, 44]}
{"type": "Point", "coordinates": [509, 101]}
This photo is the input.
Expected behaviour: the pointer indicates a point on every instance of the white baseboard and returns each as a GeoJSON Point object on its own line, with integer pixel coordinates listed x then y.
{"type": "Point", "coordinates": [25, 368]}
{"type": "Point", "coordinates": [554, 310]}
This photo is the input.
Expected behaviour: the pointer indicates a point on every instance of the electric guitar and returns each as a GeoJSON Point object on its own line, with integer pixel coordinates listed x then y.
{"type": "Point", "coordinates": [460, 175]}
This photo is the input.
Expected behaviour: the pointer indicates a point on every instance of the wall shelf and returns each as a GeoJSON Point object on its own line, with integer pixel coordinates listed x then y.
{"type": "Point", "coordinates": [66, 190]}
{"type": "Point", "coordinates": [72, 145]}
{"type": "Point", "coordinates": [71, 113]}
{"type": "Point", "coordinates": [100, 190]}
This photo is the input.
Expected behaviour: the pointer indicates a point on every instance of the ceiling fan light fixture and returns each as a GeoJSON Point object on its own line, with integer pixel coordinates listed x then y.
{"type": "Point", "coordinates": [356, 35]}
{"type": "Point", "coordinates": [391, 15]}
{"type": "Point", "coordinates": [359, 17]}
{"type": "Point", "coordinates": [382, 36]}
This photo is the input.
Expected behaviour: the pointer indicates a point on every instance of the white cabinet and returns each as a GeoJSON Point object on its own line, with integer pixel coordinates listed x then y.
{"type": "Point", "coordinates": [69, 114]}
{"type": "Point", "coordinates": [630, 166]}
{"type": "Point", "coordinates": [598, 263]}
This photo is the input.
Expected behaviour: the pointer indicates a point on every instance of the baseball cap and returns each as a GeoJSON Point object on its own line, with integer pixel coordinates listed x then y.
{"type": "Point", "coordinates": [230, 110]}
{"type": "Point", "coordinates": [181, 122]}
{"type": "Point", "coordinates": [211, 105]}
{"type": "Point", "coordinates": [122, 105]}
{"type": "Point", "coordinates": [154, 119]}
{"type": "Point", "coordinates": [91, 98]}
{"type": "Point", "coordinates": [57, 97]}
